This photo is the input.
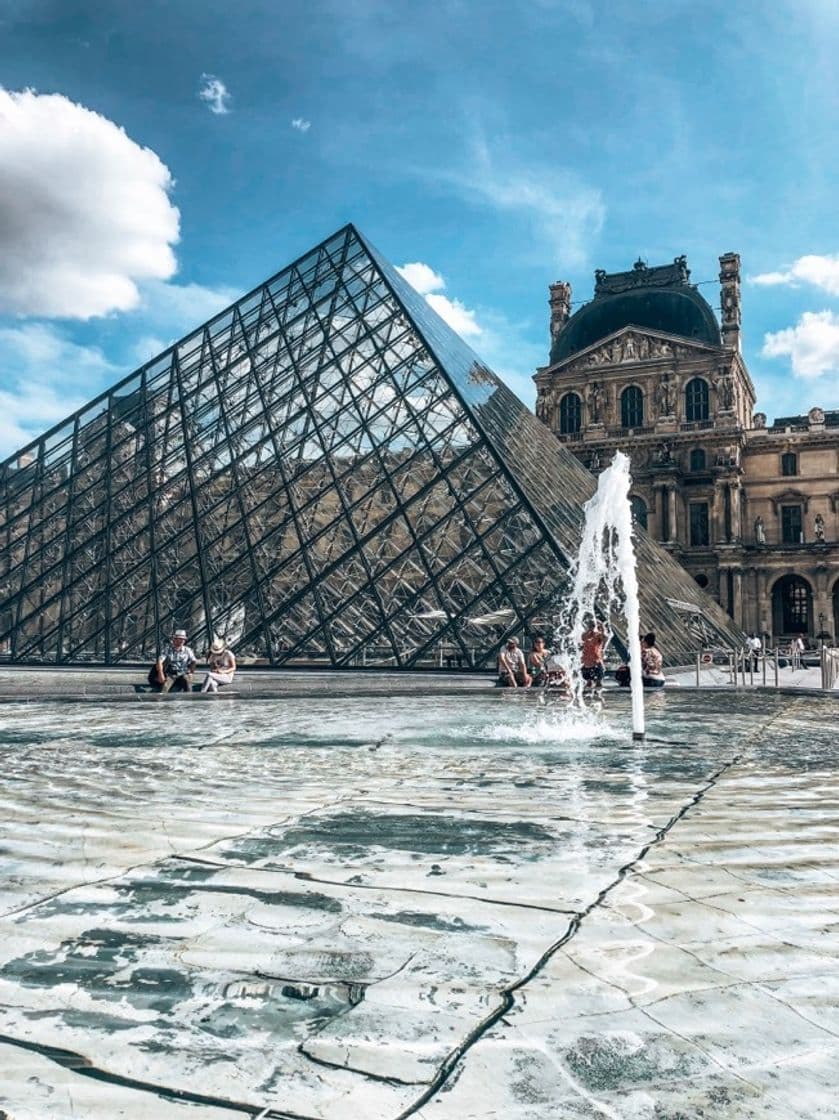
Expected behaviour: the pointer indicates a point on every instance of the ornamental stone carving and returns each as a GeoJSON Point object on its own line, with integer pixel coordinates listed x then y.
{"type": "Point", "coordinates": [666, 394]}
{"type": "Point", "coordinates": [595, 403]}
{"type": "Point", "coordinates": [724, 384]}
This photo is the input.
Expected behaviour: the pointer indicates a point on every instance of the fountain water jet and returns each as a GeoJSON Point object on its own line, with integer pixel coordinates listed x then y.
{"type": "Point", "coordinates": [604, 582]}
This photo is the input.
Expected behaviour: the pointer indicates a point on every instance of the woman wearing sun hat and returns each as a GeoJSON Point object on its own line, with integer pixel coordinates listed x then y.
{"type": "Point", "coordinates": [221, 663]}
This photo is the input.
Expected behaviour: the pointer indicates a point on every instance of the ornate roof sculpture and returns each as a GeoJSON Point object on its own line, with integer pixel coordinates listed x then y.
{"type": "Point", "coordinates": [659, 298]}
{"type": "Point", "coordinates": [324, 473]}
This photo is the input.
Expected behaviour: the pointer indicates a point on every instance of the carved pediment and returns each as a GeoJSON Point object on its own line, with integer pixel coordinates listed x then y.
{"type": "Point", "coordinates": [790, 497]}
{"type": "Point", "coordinates": [630, 345]}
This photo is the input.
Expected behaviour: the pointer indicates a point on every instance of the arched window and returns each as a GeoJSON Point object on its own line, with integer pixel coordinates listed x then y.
{"type": "Point", "coordinates": [632, 407]}
{"type": "Point", "coordinates": [639, 510]}
{"type": "Point", "coordinates": [570, 414]}
{"type": "Point", "coordinates": [789, 463]}
{"type": "Point", "coordinates": [696, 399]}
{"type": "Point", "coordinates": [792, 606]}
{"type": "Point", "coordinates": [697, 459]}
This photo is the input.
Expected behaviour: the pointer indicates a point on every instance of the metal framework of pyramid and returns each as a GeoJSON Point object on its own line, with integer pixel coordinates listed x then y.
{"type": "Point", "coordinates": [324, 473]}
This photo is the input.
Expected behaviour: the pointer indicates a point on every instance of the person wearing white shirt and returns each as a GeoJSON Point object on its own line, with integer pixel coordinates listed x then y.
{"type": "Point", "coordinates": [176, 665]}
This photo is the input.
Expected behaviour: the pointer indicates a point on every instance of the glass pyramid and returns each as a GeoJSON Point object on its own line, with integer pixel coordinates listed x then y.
{"type": "Point", "coordinates": [326, 475]}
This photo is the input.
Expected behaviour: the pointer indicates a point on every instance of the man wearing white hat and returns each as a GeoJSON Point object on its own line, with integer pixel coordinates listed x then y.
{"type": "Point", "coordinates": [176, 665]}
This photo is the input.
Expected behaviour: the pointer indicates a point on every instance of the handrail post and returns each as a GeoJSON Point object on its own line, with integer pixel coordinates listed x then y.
{"type": "Point", "coordinates": [776, 667]}
{"type": "Point", "coordinates": [698, 656]}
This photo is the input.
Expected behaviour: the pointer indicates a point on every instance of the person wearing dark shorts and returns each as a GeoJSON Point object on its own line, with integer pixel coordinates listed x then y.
{"type": "Point", "coordinates": [591, 658]}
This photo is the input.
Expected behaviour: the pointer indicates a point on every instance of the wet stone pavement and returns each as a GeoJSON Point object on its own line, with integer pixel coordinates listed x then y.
{"type": "Point", "coordinates": [432, 906]}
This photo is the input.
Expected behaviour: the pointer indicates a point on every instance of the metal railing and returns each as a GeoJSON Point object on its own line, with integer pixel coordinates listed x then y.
{"type": "Point", "coordinates": [745, 668]}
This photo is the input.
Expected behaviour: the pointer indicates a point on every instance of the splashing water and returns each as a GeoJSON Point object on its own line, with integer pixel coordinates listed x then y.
{"type": "Point", "coordinates": [604, 583]}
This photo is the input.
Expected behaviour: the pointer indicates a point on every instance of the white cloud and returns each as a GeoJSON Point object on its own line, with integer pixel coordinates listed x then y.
{"type": "Point", "coordinates": [301, 125]}
{"type": "Point", "coordinates": [46, 377]}
{"type": "Point", "coordinates": [84, 211]}
{"type": "Point", "coordinates": [565, 214]}
{"type": "Point", "coordinates": [422, 277]}
{"type": "Point", "coordinates": [429, 284]}
{"type": "Point", "coordinates": [820, 271]}
{"type": "Point", "coordinates": [215, 93]}
{"type": "Point", "coordinates": [504, 345]}
{"type": "Point", "coordinates": [812, 344]}
{"type": "Point", "coordinates": [178, 308]}
{"type": "Point", "coordinates": [453, 312]}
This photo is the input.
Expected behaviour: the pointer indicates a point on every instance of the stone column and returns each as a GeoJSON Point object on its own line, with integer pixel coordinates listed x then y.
{"type": "Point", "coordinates": [764, 601]}
{"type": "Point", "coordinates": [717, 513]}
{"type": "Point", "coordinates": [730, 299]}
{"type": "Point", "coordinates": [737, 604]}
{"type": "Point", "coordinates": [671, 505]}
{"type": "Point", "coordinates": [822, 599]}
{"type": "Point", "coordinates": [736, 525]}
{"type": "Point", "coordinates": [663, 511]}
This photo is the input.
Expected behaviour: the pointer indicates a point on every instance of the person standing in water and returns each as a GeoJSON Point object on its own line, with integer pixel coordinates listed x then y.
{"type": "Point", "coordinates": [591, 659]}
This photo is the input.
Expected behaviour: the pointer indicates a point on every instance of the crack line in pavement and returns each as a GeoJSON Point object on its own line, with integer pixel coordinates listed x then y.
{"type": "Point", "coordinates": [508, 994]}
{"type": "Point", "coordinates": [78, 1063]}
{"type": "Point", "coordinates": [306, 877]}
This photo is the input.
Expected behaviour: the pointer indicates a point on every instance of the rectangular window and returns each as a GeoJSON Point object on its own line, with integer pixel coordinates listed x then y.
{"type": "Point", "coordinates": [699, 535]}
{"type": "Point", "coordinates": [789, 463]}
{"type": "Point", "coordinates": [791, 524]}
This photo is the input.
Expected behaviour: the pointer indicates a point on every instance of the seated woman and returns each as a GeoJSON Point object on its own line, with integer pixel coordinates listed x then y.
{"type": "Point", "coordinates": [557, 676]}
{"type": "Point", "coordinates": [651, 663]}
{"type": "Point", "coordinates": [537, 663]}
{"type": "Point", "coordinates": [221, 663]}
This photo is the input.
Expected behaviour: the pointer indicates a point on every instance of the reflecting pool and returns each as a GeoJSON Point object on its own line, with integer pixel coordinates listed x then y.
{"type": "Point", "coordinates": [442, 907]}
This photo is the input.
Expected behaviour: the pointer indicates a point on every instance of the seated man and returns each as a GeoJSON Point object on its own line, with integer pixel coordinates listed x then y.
{"type": "Point", "coordinates": [176, 665]}
{"type": "Point", "coordinates": [512, 670]}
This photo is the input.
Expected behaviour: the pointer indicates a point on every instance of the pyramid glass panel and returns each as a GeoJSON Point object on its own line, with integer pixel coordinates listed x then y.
{"type": "Point", "coordinates": [325, 474]}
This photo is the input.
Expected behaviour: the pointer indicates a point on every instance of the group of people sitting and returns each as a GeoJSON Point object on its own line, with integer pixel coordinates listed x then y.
{"type": "Point", "coordinates": [539, 669]}
{"type": "Point", "coordinates": [175, 668]}
{"type": "Point", "coordinates": [543, 669]}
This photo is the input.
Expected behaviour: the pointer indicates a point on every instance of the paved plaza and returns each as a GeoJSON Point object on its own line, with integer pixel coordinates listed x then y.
{"type": "Point", "coordinates": [430, 905]}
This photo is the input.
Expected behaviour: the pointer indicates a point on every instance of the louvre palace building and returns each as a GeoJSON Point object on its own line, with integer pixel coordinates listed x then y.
{"type": "Point", "coordinates": [750, 509]}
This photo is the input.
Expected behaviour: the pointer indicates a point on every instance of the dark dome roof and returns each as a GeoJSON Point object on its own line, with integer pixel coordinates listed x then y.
{"type": "Point", "coordinates": [672, 310]}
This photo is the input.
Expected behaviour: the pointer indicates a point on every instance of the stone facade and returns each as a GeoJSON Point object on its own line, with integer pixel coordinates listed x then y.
{"type": "Point", "coordinates": [750, 510]}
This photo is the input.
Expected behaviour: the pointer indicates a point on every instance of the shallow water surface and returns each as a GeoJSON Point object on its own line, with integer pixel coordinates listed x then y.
{"type": "Point", "coordinates": [332, 908]}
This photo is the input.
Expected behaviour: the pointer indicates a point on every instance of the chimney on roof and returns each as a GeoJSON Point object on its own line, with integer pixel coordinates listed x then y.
{"type": "Point", "coordinates": [560, 305]}
{"type": "Point", "coordinates": [730, 299]}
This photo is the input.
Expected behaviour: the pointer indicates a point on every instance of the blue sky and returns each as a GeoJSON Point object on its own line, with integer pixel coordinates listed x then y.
{"type": "Point", "coordinates": [502, 145]}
